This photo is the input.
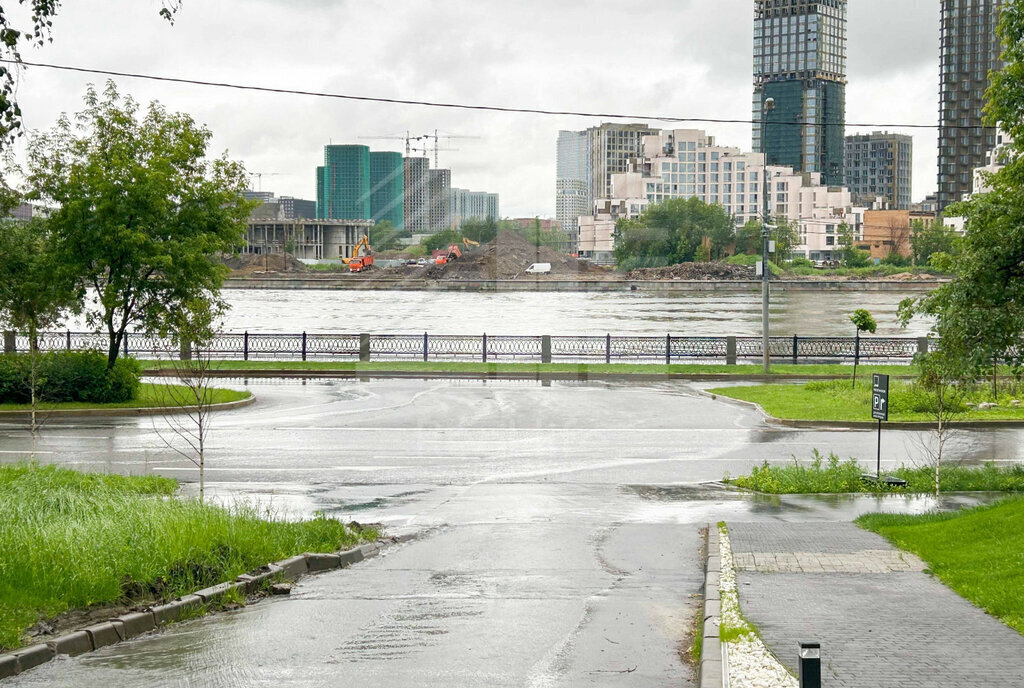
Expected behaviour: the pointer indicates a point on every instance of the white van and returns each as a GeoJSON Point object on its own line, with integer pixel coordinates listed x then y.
{"type": "Point", "coordinates": [539, 269]}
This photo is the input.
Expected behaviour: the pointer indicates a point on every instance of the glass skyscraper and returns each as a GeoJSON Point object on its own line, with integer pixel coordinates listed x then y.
{"type": "Point", "coordinates": [387, 197]}
{"type": "Point", "coordinates": [343, 183]}
{"type": "Point", "coordinates": [800, 62]}
{"type": "Point", "coordinates": [968, 50]}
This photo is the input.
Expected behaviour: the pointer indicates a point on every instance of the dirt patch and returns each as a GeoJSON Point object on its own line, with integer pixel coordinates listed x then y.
{"type": "Point", "coordinates": [694, 271]}
{"type": "Point", "coordinates": [508, 256]}
{"type": "Point", "coordinates": [246, 264]}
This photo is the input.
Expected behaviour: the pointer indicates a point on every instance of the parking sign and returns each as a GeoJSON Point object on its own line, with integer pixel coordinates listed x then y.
{"type": "Point", "coordinates": [880, 397]}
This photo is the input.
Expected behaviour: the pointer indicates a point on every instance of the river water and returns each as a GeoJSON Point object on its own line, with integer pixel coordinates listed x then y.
{"type": "Point", "coordinates": [559, 313]}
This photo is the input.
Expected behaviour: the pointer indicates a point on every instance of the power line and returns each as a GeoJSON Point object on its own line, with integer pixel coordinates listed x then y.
{"type": "Point", "coordinates": [464, 106]}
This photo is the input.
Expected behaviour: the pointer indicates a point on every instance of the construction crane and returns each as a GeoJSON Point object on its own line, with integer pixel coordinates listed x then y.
{"type": "Point", "coordinates": [260, 175]}
{"type": "Point", "coordinates": [406, 138]}
{"type": "Point", "coordinates": [437, 136]}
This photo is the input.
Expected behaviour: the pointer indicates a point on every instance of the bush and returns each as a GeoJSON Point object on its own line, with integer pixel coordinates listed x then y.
{"type": "Point", "coordinates": [897, 260]}
{"type": "Point", "coordinates": [69, 376]}
{"type": "Point", "coordinates": [855, 258]}
{"type": "Point", "coordinates": [801, 262]}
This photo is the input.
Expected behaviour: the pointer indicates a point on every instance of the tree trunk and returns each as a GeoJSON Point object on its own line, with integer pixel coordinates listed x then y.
{"type": "Point", "coordinates": [113, 349]}
{"type": "Point", "coordinates": [995, 382]}
{"type": "Point", "coordinates": [938, 453]}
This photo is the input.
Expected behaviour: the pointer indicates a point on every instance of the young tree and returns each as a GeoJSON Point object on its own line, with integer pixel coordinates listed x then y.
{"type": "Point", "coordinates": [863, 321]}
{"type": "Point", "coordinates": [945, 378]}
{"type": "Point", "coordinates": [141, 211]}
{"type": "Point", "coordinates": [188, 394]}
{"type": "Point", "coordinates": [33, 295]}
{"type": "Point", "coordinates": [929, 239]}
{"type": "Point", "coordinates": [36, 33]}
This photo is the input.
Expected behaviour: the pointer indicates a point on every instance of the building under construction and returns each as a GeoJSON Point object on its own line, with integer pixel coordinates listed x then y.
{"type": "Point", "coordinates": [306, 239]}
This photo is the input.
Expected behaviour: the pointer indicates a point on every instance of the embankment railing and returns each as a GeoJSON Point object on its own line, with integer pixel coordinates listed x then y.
{"type": "Point", "coordinates": [492, 348]}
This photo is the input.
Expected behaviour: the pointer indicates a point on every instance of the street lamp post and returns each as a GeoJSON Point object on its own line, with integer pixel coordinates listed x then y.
{"type": "Point", "coordinates": [769, 105]}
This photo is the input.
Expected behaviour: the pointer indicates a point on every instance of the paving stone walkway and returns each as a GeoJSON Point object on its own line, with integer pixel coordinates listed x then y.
{"type": "Point", "coordinates": [881, 620]}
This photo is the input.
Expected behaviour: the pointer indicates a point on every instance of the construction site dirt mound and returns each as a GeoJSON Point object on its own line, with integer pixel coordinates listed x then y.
{"type": "Point", "coordinates": [251, 263]}
{"type": "Point", "coordinates": [508, 256]}
{"type": "Point", "coordinates": [694, 271]}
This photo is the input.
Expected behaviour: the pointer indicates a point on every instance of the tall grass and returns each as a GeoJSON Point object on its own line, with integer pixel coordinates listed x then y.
{"type": "Point", "coordinates": [831, 476]}
{"type": "Point", "coordinates": [70, 540]}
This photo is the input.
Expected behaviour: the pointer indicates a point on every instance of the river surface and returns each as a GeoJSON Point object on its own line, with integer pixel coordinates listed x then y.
{"type": "Point", "coordinates": [558, 313]}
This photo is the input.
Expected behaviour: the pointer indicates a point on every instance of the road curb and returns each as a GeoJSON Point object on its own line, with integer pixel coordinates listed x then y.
{"type": "Point", "coordinates": [109, 413]}
{"type": "Point", "coordinates": [135, 624]}
{"type": "Point", "coordinates": [712, 667]}
{"type": "Point", "coordinates": [862, 424]}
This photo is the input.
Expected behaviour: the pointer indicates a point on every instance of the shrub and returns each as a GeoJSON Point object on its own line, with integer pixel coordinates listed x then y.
{"type": "Point", "coordinates": [801, 262]}
{"type": "Point", "coordinates": [69, 376]}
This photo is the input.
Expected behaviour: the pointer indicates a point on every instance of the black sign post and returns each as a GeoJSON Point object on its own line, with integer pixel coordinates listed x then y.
{"type": "Point", "coordinates": [879, 411]}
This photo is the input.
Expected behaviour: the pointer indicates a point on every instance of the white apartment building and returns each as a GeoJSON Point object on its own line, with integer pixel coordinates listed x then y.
{"type": "Point", "coordinates": [687, 163]}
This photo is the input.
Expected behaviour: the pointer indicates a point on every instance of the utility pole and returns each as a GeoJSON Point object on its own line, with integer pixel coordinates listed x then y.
{"type": "Point", "coordinates": [769, 105]}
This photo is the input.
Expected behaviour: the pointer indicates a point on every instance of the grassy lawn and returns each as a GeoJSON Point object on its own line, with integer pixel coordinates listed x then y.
{"type": "Point", "coordinates": [835, 400]}
{"type": "Point", "coordinates": [979, 553]}
{"type": "Point", "coordinates": [150, 395]}
{"type": "Point", "coordinates": [71, 540]}
{"type": "Point", "coordinates": [833, 476]}
{"type": "Point", "coordinates": [475, 367]}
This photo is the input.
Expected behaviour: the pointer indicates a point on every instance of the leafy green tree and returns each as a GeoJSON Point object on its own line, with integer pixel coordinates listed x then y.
{"type": "Point", "coordinates": [36, 33]}
{"type": "Point", "coordinates": [480, 231]}
{"type": "Point", "coordinates": [862, 320]}
{"type": "Point", "coordinates": [748, 238]}
{"type": "Point", "coordinates": [672, 232]}
{"type": "Point", "coordinates": [930, 238]}
{"type": "Point", "coordinates": [141, 211]}
{"type": "Point", "coordinates": [440, 240]}
{"type": "Point", "coordinates": [979, 316]}
{"type": "Point", "coordinates": [787, 236]}
{"type": "Point", "coordinates": [33, 295]}
{"type": "Point", "coordinates": [384, 236]}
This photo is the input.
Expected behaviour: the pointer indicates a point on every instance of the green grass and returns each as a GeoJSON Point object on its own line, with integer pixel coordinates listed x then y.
{"type": "Point", "coordinates": [835, 400]}
{"type": "Point", "coordinates": [834, 476]}
{"type": "Point", "coordinates": [869, 271]}
{"type": "Point", "coordinates": [979, 552]}
{"type": "Point", "coordinates": [150, 395]}
{"type": "Point", "coordinates": [529, 368]}
{"type": "Point", "coordinates": [71, 540]}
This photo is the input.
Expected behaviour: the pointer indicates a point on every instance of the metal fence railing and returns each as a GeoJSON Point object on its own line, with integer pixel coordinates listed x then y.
{"type": "Point", "coordinates": [486, 347]}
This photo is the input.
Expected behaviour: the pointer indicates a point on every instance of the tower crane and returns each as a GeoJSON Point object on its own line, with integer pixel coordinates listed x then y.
{"type": "Point", "coordinates": [260, 175]}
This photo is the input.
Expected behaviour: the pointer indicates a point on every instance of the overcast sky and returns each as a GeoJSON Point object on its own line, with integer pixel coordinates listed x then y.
{"type": "Point", "coordinates": [681, 58]}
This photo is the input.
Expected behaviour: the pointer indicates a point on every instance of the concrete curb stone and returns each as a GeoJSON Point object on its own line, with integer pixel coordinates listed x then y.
{"type": "Point", "coordinates": [74, 643]}
{"type": "Point", "coordinates": [139, 623]}
{"type": "Point", "coordinates": [712, 669]}
{"type": "Point", "coordinates": [33, 656]}
{"type": "Point", "coordinates": [114, 413]}
{"type": "Point", "coordinates": [8, 665]}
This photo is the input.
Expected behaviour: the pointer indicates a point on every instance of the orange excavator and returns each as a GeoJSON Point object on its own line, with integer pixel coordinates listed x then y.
{"type": "Point", "coordinates": [358, 263]}
{"type": "Point", "coordinates": [454, 252]}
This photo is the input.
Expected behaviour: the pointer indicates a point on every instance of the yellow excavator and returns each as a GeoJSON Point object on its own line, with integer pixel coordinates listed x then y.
{"type": "Point", "coordinates": [469, 242]}
{"type": "Point", "coordinates": [359, 263]}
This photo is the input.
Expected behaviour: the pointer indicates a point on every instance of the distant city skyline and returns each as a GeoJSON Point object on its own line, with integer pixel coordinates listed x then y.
{"type": "Point", "coordinates": [460, 51]}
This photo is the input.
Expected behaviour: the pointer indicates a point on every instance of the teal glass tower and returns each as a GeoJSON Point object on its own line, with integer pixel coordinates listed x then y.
{"type": "Point", "coordinates": [800, 62]}
{"type": "Point", "coordinates": [343, 184]}
{"type": "Point", "coordinates": [387, 188]}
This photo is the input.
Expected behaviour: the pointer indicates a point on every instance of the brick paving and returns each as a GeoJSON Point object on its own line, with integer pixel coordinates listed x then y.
{"type": "Point", "coordinates": [880, 619]}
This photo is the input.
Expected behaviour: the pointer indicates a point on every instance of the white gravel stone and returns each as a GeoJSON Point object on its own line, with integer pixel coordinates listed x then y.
{"type": "Point", "coordinates": [751, 664]}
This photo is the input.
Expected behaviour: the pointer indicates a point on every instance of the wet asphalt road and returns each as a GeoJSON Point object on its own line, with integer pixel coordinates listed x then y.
{"type": "Point", "coordinates": [559, 528]}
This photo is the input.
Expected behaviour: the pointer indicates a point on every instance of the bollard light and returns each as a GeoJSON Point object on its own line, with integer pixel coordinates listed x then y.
{"type": "Point", "coordinates": [810, 665]}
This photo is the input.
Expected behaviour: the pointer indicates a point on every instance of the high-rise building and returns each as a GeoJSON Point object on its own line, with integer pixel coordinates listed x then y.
{"type": "Point", "coordinates": [296, 208]}
{"type": "Point", "coordinates": [968, 50]}
{"type": "Point", "coordinates": [417, 195]}
{"type": "Point", "coordinates": [387, 188]}
{"type": "Point", "coordinates": [586, 162]}
{"type": "Point", "coordinates": [472, 205]}
{"type": "Point", "coordinates": [800, 62]}
{"type": "Point", "coordinates": [880, 165]}
{"type": "Point", "coordinates": [343, 183]}
{"type": "Point", "coordinates": [439, 200]}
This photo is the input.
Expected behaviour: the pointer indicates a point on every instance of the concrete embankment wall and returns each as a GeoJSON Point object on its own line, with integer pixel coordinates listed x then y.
{"type": "Point", "coordinates": [548, 285]}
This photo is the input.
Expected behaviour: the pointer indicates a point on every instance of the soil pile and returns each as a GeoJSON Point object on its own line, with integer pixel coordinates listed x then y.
{"type": "Point", "coordinates": [507, 256]}
{"type": "Point", "coordinates": [694, 271]}
{"type": "Point", "coordinates": [250, 263]}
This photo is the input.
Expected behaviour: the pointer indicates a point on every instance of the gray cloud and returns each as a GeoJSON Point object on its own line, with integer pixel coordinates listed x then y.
{"type": "Point", "coordinates": [674, 57]}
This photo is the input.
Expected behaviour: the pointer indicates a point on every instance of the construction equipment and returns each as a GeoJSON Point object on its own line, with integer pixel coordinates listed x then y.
{"type": "Point", "coordinates": [359, 263]}
{"type": "Point", "coordinates": [453, 253]}
{"type": "Point", "coordinates": [260, 175]}
{"type": "Point", "coordinates": [469, 242]}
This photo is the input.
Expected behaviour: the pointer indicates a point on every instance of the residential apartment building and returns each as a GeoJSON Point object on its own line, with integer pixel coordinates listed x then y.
{"type": "Point", "coordinates": [687, 163]}
{"type": "Point", "coordinates": [308, 240]}
{"type": "Point", "coordinates": [283, 208]}
{"type": "Point", "coordinates": [343, 183]}
{"type": "Point", "coordinates": [294, 208]}
{"type": "Point", "coordinates": [586, 162]}
{"type": "Point", "coordinates": [472, 205]}
{"type": "Point", "coordinates": [996, 159]}
{"type": "Point", "coordinates": [886, 233]}
{"type": "Point", "coordinates": [417, 195]}
{"type": "Point", "coordinates": [387, 188]}
{"type": "Point", "coordinates": [968, 50]}
{"type": "Point", "coordinates": [880, 165]}
{"type": "Point", "coordinates": [800, 62]}
{"type": "Point", "coordinates": [439, 187]}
